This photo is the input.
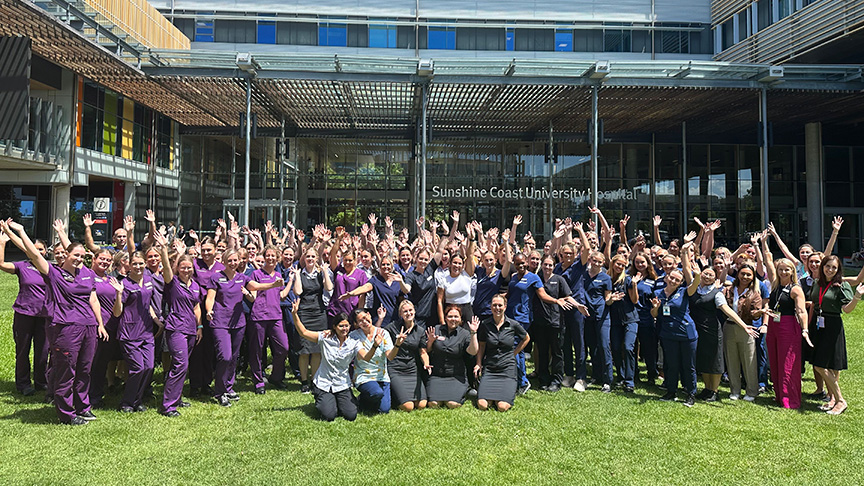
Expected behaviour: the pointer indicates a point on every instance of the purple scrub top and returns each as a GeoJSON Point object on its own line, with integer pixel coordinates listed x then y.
{"type": "Point", "coordinates": [69, 296]}
{"type": "Point", "coordinates": [228, 306]}
{"type": "Point", "coordinates": [31, 290]}
{"type": "Point", "coordinates": [203, 274]}
{"type": "Point", "coordinates": [180, 300]}
{"type": "Point", "coordinates": [136, 324]}
{"type": "Point", "coordinates": [106, 294]}
{"type": "Point", "coordinates": [267, 302]}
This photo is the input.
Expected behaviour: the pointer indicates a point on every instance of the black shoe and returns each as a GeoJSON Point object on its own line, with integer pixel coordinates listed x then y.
{"type": "Point", "coordinates": [279, 385]}
{"type": "Point", "coordinates": [172, 413]}
{"type": "Point", "coordinates": [40, 387]}
{"type": "Point", "coordinates": [260, 390]}
{"type": "Point", "coordinates": [29, 391]}
{"type": "Point", "coordinates": [88, 415]}
{"type": "Point", "coordinates": [714, 397]}
{"type": "Point", "coordinates": [78, 421]}
{"type": "Point", "coordinates": [472, 393]}
{"type": "Point", "coordinates": [140, 408]}
{"type": "Point", "coordinates": [184, 404]}
{"type": "Point", "coordinates": [48, 398]}
{"type": "Point", "coordinates": [817, 394]}
{"type": "Point", "coordinates": [629, 389]}
{"type": "Point", "coordinates": [126, 409]}
{"type": "Point", "coordinates": [553, 388]}
{"type": "Point", "coordinates": [606, 388]}
{"type": "Point", "coordinates": [223, 401]}
{"type": "Point", "coordinates": [704, 394]}
{"type": "Point", "coordinates": [668, 397]}
{"type": "Point", "coordinates": [691, 400]}
{"type": "Point", "coordinates": [233, 396]}
{"type": "Point", "coordinates": [305, 389]}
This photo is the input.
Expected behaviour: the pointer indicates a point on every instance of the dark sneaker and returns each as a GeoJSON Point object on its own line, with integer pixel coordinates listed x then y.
{"type": "Point", "coordinates": [223, 401]}
{"type": "Point", "coordinates": [704, 394]}
{"type": "Point", "coordinates": [184, 404]}
{"type": "Point", "coordinates": [606, 388]}
{"type": "Point", "coordinates": [172, 413]}
{"type": "Point", "coordinates": [553, 388]}
{"type": "Point", "coordinates": [88, 415]}
{"type": "Point", "coordinates": [691, 400]}
{"type": "Point", "coordinates": [305, 389]}
{"type": "Point", "coordinates": [29, 391]}
{"type": "Point", "coordinates": [279, 385]}
{"type": "Point", "coordinates": [714, 397]}
{"type": "Point", "coordinates": [668, 397]}
{"type": "Point", "coordinates": [78, 421]}
{"type": "Point", "coordinates": [140, 408]}
{"type": "Point", "coordinates": [629, 389]}
{"type": "Point", "coordinates": [260, 390]}
{"type": "Point", "coordinates": [126, 409]}
{"type": "Point", "coordinates": [233, 396]}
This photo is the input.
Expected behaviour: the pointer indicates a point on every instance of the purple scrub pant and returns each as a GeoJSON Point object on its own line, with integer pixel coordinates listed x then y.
{"type": "Point", "coordinates": [227, 346]}
{"type": "Point", "coordinates": [180, 348]}
{"type": "Point", "coordinates": [139, 362]}
{"type": "Point", "coordinates": [72, 351]}
{"type": "Point", "coordinates": [278, 345]}
{"type": "Point", "coordinates": [202, 360]}
{"type": "Point", "coordinates": [27, 330]}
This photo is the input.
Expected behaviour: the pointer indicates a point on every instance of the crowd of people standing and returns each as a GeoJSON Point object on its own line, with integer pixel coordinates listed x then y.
{"type": "Point", "coordinates": [432, 320]}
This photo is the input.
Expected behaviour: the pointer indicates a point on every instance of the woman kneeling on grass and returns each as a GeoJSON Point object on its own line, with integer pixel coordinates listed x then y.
{"type": "Point", "coordinates": [500, 339]}
{"type": "Point", "coordinates": [446, 345]}
{"type": "Point", "coordinates": [331, 385]}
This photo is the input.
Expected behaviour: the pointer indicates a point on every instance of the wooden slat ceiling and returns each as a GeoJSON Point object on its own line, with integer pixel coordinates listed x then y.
{"type": "Point", "coordinates": [61, 45]}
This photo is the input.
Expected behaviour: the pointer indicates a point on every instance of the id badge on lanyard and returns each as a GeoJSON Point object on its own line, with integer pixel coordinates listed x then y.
{"type": "Point", "coordinates": [820, 319]}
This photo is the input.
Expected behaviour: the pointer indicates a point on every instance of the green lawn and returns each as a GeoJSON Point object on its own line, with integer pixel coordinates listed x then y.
{"type": "Point", "coordinates": [546, 439]}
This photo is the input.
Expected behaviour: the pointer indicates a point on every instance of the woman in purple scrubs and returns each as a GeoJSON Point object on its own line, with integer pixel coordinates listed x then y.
{"type": "Point", "coordinates": [182, 300]}
{"type": "Point", "coordinates": [109, 350]}
{"type": "Point", "coordinates": [201, 361]}
{"type": "Point", "coordinates": [137, 328]}
{"type": "Point", "coordinates": [224, 308]}
{"type": "Point", "coordinates": [76, 324]}
{"type": "Point", "coordinates": [28, 324]}
{"type": "Point", "coordinates": [266, 317]}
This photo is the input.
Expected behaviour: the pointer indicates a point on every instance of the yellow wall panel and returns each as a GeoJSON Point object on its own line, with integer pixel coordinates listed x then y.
{"type": "Point", "coordinates": [143, 22]}
{"type": "Point", "coordinates": [128, 129]}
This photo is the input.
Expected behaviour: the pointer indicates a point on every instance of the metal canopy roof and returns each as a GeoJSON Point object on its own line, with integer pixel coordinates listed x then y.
{"type": "Point", "coordinates": [495, 97]}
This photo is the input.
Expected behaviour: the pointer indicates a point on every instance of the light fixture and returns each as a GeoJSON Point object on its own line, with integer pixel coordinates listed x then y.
{"type": "Point", "coordinates": [599, 70]}
{"type": "Point", "coordinates": [774, 73]}
{"type": "Point", "coordinates": [246, 62]}
{"type": "Point", "coordinates": [426, 68]}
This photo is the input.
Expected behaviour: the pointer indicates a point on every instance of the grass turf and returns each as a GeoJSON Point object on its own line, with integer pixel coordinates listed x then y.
{"type": "Point", "coordinates": [547, 438]}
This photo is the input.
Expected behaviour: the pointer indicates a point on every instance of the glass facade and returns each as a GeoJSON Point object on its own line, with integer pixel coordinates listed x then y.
{"type": "Point", "coordinates": [340, 181]}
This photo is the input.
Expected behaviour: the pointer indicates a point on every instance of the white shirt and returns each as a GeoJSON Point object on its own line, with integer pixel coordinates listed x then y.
{"type": "Point", "coordinates": [457, 290]}
{"type": "Point", "coordinates": [332, 375]}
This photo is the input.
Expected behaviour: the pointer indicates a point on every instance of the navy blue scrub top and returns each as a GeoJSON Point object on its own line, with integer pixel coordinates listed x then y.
{"type": "Point", "coordinates": [678, 325]}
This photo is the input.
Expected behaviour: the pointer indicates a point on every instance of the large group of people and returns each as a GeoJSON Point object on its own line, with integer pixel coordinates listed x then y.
{"type": "Point", "coordinates": [448, 315]}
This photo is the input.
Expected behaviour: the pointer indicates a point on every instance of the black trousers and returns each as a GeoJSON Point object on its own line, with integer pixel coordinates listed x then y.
{"type": "Point", "coordinates": [548, 342]}
{"type": "Point", "coordinates": [333, 404]}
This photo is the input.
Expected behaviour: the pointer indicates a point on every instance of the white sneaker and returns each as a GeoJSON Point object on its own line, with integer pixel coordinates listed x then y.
{"type": "Point", "coordinates": [568, 382]}
{"type": "Point", "coordinates": [579, 386]}
{"type": "Point", "coordinates": [734, 396]}
{"type": "Point", "coordinates": [748, 398]}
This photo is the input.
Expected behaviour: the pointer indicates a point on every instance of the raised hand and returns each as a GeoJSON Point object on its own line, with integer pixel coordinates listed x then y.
{"type": "Point", "coordinates": [129, 223]}
{"type": "Point", "coordinates": [59, 226]}
{"type": "Point", "coordinates": [616, 296]}
{"type": "Point", "coordinates": [455, 216]}
{"type": "Point", "coordinates": [657, 220]}
{"type": "Point", "coordinates": [192, 234]}
{"type": "Point", "coordinates": [382, 311]}
{"type": "Point", "coordinates": [150, 216]}
{"type": "Point", "coordinates": [655, 302]}
{"type": "Point", "coordinates": [116, 285]}
{"type": "Point", "coordinates": [379, 336]}
{"type": "Point", "coordinates": [636, 278]}
{"type": "Point", "coordinates": [837, 223]}
{"type": "Point", "coordinates": [689, 237]}
{"type": "Point", "coordinates": [697, 221]}
{"type": "Point", "coordinates": [160, 239]}
{"type": "Point", "coordinates": [373, 219]}
{"type": "Point", "coordinates": [401, 337]}
{"type": "Point", "coordinates": [474, 323]}
{"type": "Point", "coordinates": [430, 335]}
{"type": "Point", "coordinates": [517, 220]}
{"type": "Point", "coordinates": [593, 210]}
{"type": "Point", "coordinates": [772, 229]}
{"type": "Point", "coordinates": [87, 219]}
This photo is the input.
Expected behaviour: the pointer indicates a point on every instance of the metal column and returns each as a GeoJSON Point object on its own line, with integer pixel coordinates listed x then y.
{"type": "Point", "coordinates": [281, 158]}
{"type": "Point", "coordinates": [248, 151]}
{"type": "Point", "coordinates": [595, 127]}
{"type": "Point", "coordinates": [684, 185]}
{"type": "Point", "coordinates": [423, 151]}
{"type": "Point", "coordinates": [763, 153]}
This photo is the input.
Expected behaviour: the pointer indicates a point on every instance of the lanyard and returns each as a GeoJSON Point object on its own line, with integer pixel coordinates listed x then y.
{"type": "Point", "coordinates": [822, 294]}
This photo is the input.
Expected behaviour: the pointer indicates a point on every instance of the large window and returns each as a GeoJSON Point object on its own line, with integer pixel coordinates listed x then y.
{"type": "Point", "coordinates": [616, 40]}
{"type": "Point", "coordinates": [674, 42]}
{"type": "Point", "coordinates": [563, 40]}
{"type": "Point", "coordinates": [332, 34]}
{"type": "Point", "coordinates": [381, 35]}
{"type": "Point", "coordinates": [204, 30]}
{"type": "Point", "coordinates": [441, 37]}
